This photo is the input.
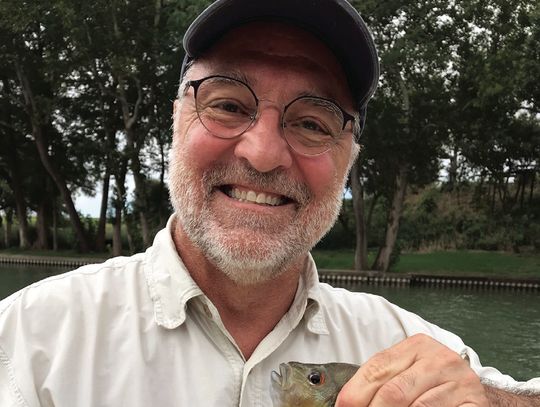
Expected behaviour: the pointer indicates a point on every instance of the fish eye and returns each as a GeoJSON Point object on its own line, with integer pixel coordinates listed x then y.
{"type": "Point", "coordinates": [315, 378]}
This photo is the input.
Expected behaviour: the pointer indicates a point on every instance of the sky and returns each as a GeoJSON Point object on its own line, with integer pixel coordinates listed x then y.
{"type": "Point", "coordinates": [89, 205]}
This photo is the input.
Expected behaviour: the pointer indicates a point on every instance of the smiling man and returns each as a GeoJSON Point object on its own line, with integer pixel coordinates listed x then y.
{"type": "Point", "coordinates": [265, 129]}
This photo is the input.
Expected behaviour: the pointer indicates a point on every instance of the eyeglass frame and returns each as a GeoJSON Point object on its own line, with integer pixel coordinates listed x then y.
{"type": "Point", "coordinates": [347, 117]}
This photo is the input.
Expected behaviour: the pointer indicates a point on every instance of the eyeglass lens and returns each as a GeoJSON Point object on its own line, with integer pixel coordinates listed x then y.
{"type": "Point", "coordinates": [227, 108]}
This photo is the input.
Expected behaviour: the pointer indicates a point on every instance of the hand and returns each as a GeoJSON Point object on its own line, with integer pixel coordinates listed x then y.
{"type": "Point", "coordinates": [417, 372]}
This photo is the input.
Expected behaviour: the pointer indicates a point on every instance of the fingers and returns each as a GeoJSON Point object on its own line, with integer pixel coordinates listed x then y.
{"type": "Point", "coordinates": [373, 375]}
{"type": "Point", "coordinates": [416, 372]}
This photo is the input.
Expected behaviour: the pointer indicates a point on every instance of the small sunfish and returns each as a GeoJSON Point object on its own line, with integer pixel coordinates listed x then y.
{"type": "Point", "coordinates": [308, 384]}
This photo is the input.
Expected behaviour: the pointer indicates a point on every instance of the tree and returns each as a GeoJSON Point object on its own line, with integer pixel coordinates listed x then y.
{"type": "Point", "coordinates": [38, 52]}
{"type": "Point", "coordinates": [404, 134]}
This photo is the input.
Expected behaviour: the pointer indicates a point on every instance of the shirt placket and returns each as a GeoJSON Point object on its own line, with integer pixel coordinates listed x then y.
{"type": "Point", "coordinates": [210, 321]}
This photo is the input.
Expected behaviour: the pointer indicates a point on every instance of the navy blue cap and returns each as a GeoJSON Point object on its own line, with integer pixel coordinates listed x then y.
{"type": "Point", "coordinates": [334, 22]}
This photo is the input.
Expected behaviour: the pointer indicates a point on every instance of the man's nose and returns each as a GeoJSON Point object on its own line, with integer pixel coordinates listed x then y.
{"type": "Point", "coordinates": [263, 145]}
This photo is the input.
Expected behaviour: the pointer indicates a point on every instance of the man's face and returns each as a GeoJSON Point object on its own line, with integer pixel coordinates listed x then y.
{"type": "Point", "coordinates": [213, 181]}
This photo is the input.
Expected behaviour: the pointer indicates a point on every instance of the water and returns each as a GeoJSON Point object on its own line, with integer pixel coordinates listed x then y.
{"type": "Point", "coordinates": [14, 277]}
{"type": "Point", "coordinates": [502, 326]}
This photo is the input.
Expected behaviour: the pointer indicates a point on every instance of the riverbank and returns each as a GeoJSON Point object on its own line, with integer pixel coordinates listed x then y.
{"type": "Point", "coordinates": [499, 265]}
{"type": "Point", "coordinates": [449, 273]}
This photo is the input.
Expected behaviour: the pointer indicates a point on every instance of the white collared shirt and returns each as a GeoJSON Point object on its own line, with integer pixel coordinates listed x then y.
{"type": "Point", "coordinates": [137, 331]}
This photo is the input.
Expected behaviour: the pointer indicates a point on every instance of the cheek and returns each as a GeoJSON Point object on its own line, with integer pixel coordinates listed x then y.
{"type": "Point", "coordinates": [325, 172]}
{"type": "Point", "coordinates": [202, 149]}
{"type": "Point", "coordinates": [319, 173]}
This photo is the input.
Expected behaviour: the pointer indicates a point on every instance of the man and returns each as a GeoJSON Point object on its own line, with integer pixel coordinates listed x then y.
{"type": "Point", "coordinates": [265, 131]}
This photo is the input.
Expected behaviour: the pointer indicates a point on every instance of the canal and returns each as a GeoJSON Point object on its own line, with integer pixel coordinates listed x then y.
{"type": "Point", "coordinates": [503, 326]}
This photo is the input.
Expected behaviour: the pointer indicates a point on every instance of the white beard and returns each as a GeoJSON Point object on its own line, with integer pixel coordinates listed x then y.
{"type": "Point", "coordinates": [248, 247]}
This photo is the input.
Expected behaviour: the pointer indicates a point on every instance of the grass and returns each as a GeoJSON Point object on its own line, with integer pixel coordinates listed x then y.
{"type": "Point", "coordinates": [334, 259]}
{"type": "Point", "coordinates": [466, 263]}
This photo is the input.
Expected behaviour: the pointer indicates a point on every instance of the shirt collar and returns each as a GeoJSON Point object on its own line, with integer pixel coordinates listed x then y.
{"type": "Point", "coordinates": [313, 314]}
{"type": "Point", "coordinates": [169, 282]}
{"type": "Point", "coordinates": [171, 286]}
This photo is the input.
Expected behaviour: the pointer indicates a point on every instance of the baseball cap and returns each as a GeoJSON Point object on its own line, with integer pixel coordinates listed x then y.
{"type": "Point", "coordinates": [335, 22]}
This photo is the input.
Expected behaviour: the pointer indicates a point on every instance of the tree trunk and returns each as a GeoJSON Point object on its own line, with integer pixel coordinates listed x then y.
{"type": "Point", "coordinates": [100, 235]}
{"type": "Point", "coordinates": [162, 188]}
{"type": "Point", "coordinates": [130, 117]}
{"type": "Point", "coordinates": [129, 232]}
{"type": "Point", "coordinates": [371, 210]}
{"type": "Point", "coordinates": [117, 231]}
{"type": "Point", "coordinates": [140, 184]}
{"type": "Point", "coordinates": [119, 203]}
{"type": "Point", "coordinates": [7, 229]}
{"type": "Point", "coordinates": [118, 210]}
{"type": "Point", "coordinates": [360, 254]}
{"type": "Point", "coordinates": [110, 139]}
{"type": "Point", "coordinates": [55, 226]}
{"type": "Point", "coordinates": [24, 241]}
{"type": "Point", "coordinates": [531, 190]}
{"type": "Point", "coordinates": [15, 183]}
{"type": "Point", "coordinates": [51, 169]}
{"type": "Point", "coordinates": [382, 262]}
{"type": "Point", "coordinates": [42, 241]}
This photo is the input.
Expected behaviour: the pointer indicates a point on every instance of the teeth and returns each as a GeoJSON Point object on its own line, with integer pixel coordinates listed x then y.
{"type": "Point", "coordinates": [252, 196]}
{"type": "Point", "coordinates": [261, 198]}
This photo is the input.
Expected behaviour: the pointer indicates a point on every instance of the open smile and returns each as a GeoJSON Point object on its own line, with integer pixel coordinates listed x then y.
{"type": "Point", "coordinates": [243, 194]}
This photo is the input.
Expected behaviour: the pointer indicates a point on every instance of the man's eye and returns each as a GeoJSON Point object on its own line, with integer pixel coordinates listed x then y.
{"type": "Point", "coordinates": [311, 126]}
{"type": "Point", "coordinates": [228, 106]}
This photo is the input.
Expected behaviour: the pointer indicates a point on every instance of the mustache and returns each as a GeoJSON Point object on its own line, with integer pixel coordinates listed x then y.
{"type": "Point", "coordinates": [276, 180]}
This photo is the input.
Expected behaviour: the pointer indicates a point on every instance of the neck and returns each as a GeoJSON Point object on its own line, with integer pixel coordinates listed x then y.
{"type": "Point", "coordinates": [248, 312]}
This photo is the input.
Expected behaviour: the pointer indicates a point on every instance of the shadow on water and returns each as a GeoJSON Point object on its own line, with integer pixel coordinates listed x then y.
{"type": "Point", "coordinates": [503, 326]}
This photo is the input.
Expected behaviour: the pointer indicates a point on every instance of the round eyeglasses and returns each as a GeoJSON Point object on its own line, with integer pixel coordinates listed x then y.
{"type": "Point", "coordinates": [228, 107]}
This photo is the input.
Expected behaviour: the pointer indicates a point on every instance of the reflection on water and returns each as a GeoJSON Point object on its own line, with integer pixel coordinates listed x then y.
{"type": "Point", "coordinates": [502, 326]}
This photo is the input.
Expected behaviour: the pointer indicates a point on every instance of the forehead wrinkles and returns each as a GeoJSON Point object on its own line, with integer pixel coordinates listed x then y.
{"type": "Point", "coordinates": [306, 76]}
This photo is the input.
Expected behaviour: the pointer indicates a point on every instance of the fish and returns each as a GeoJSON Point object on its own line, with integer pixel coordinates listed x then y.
{"type": "Point", "coordinates": [308, 384]}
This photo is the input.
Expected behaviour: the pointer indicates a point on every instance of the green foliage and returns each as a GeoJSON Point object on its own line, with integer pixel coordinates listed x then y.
{"type": "Point", "coordinates": [92, 67]}
{"type": "Point", "coordinates": [438, 220]}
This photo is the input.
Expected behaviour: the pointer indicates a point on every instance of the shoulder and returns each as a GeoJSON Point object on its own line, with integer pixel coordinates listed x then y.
{"type": "Point", "coordinates": [51, 318]}
{"type": "Point", "coordinates": [355, 304]}
{"type": "Point", "coordinates": [63, 320]}
{"type": "Point", "coordinates": [382, 319]}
